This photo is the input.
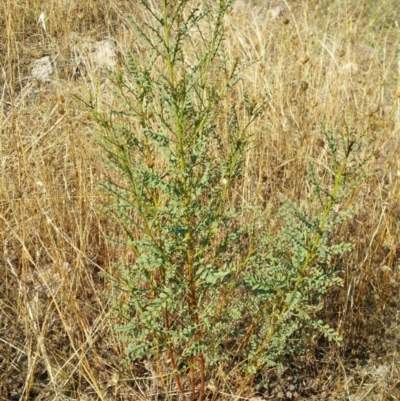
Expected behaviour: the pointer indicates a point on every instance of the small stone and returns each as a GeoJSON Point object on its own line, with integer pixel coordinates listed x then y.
{"type": "Point", "coordinates": [104, 54]}
{"type": "Point", "coordinates": [382, 371]}
{"type": "Point", "coordinates": [350, 69]}
{"type": "Point", "coordinates": [276, 12]}
{"type": "Point", "coordinates": [42, 69]}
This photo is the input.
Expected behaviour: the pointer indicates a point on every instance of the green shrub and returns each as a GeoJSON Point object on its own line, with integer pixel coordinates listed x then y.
{"type": "Point", "coordinates": [214, 285]}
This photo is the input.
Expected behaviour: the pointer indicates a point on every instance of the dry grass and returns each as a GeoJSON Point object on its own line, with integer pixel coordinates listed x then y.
{"type": "Point", "coordinates": [327, 64]}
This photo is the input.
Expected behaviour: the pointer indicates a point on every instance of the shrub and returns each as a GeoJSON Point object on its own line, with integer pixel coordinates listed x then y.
{"type": "Point", "coordinates": [215, 285]}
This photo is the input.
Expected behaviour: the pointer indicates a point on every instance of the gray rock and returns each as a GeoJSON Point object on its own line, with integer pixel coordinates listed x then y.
{"type": "Point", "coordinates": [42, 69]}
{"type": "Point", "coordinates": [276, 12]}
{"type": "Point", "coordinates": [103, 54]}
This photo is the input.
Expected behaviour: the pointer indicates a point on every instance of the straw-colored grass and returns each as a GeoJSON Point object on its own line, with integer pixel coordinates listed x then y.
{"type": "Point", "coordinates": [319, 64]}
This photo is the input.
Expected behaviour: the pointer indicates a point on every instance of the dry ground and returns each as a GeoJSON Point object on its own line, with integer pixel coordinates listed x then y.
{"type": "Point", "coordinates": [320, 63]}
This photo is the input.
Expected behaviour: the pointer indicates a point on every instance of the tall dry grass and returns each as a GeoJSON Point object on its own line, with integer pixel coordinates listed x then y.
{"type": "Point", "coordinates": [320, 64]}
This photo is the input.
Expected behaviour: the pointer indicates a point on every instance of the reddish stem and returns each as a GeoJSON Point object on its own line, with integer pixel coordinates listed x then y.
{"type": "Point", "coordinates": [173, 363]}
